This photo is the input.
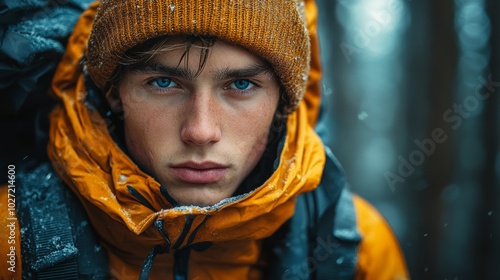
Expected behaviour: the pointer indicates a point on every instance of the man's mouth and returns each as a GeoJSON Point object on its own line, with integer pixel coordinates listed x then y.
{"type": "Point", "coordinates": [206, 172]}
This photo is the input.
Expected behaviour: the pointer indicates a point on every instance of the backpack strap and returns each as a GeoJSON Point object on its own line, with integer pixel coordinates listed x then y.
{"type": "Point", "coordinates": [336, 236]}
{"type": "Point", "coordinates": [320, 241]}
{"type": "Point", "coordinates": [340, 244]}
{"type": "Point", "coordinates": [57, 240]}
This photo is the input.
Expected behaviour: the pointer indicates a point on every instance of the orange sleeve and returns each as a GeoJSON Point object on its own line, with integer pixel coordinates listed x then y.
{"type": "Point", "coordinates": [379, 254]}
{"type": "Point", "coordinates": [312, 98]}
{"type": "Point", "coordinates": [10, 237]}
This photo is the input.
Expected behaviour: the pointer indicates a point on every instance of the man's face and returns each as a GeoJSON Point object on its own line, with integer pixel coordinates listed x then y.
{"type": "Point", "coordinates": [199, 135]}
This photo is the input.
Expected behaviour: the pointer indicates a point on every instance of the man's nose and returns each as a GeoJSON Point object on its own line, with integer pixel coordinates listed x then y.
{"type": "Point", "coordinates": [201, 125]}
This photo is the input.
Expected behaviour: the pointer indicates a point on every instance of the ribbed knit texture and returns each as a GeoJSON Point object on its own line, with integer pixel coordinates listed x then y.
{"type": "Point", "coordinates": [274, 30]}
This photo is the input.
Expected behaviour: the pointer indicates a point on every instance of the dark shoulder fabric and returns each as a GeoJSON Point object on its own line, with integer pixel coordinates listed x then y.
{"type": "Point", "coordinates": [320, 241]}
{"type": "Point", "coordinates": [33, 35]}
{"type": "Point", "coordinates": [56, 237]}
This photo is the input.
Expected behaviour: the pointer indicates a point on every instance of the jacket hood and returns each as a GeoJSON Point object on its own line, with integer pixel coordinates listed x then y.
{"type": "Point", "coordinates": [128, 208]}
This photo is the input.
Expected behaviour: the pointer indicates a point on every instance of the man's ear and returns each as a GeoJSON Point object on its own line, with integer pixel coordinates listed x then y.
{"type": "Point", "coordinates": [114, 101]}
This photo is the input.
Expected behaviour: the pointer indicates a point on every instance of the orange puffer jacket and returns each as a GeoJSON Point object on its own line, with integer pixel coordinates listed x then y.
{"type": "Point", "coordinates": [92, 165]}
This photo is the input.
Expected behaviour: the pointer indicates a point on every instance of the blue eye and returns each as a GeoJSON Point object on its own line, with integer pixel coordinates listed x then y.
{"type": "Point", "coordinates": [241, 84]}
{"type": "Point", "coordinates": [163, 82]}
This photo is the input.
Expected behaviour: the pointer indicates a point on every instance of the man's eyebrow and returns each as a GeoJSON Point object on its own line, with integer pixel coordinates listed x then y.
{"type": "Point", "coordinates": [154, 67]}
{"type": "Point", "coordinates": [246, 72]}
{"type": "Point", "coordinates": [181, 72]}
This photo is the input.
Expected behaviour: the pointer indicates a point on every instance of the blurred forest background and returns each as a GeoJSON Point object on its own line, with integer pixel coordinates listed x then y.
{"type": "Point", "coordinates": [412, 89]}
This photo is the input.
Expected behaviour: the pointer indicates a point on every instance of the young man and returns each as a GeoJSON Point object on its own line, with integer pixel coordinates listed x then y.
{"type": "Point", "coordinates": [187, 138]}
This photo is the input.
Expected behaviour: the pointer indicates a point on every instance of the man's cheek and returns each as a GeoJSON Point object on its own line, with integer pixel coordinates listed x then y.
{"type": "Point", "coordinates": [257, 146]}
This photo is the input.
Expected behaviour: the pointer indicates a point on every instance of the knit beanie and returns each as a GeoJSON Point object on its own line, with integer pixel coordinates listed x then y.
{"type": "Point", "coordinates": [274, 30]}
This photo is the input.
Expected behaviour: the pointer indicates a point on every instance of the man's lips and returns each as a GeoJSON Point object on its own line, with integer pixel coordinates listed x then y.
{"type": "Point", "coordinates": [199, 172]}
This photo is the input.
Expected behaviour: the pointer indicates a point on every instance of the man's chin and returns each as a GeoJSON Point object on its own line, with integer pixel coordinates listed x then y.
{"type": "Point", "coordinates": [201, 196]}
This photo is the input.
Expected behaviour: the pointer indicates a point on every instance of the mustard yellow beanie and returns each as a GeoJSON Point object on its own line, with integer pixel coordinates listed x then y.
{"type": "Point", "coordinates": [274, 30]}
